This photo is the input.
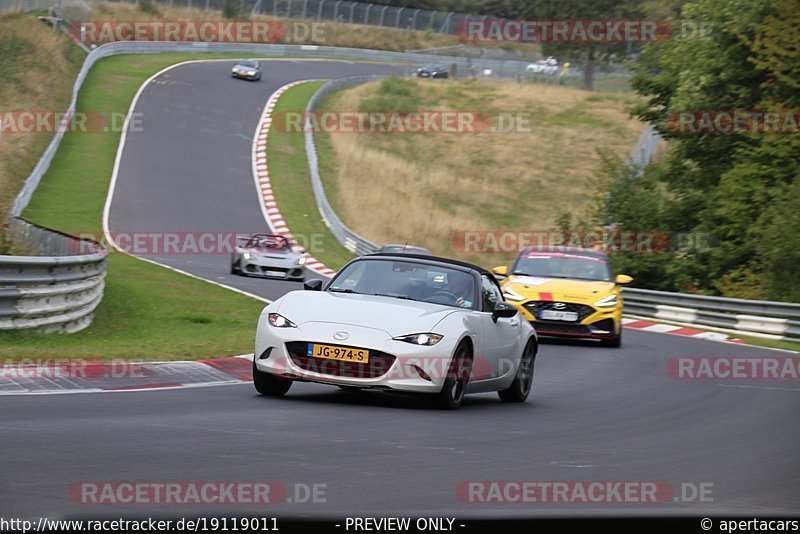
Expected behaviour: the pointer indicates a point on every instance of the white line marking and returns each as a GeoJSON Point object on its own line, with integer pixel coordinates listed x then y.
{"type": "Point", "coordinates": [113, 184]}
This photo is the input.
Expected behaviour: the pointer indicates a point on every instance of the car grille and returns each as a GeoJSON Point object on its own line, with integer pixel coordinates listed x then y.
{"type": "Point", "coordinates": [379, 363]}
{"type": "Point", "coordinates": [536, 306]}
{"type": "Point", "coordinates": [566, 329]}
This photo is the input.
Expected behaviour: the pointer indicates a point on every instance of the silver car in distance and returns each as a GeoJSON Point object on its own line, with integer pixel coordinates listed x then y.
{"type": "Point", "coordinates": [398, 322]}
{"type": "Point", "coordinates": [268, 256]}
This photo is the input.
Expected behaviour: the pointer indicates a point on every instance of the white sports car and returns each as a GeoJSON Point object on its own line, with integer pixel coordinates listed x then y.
{"type": "Point", "coordinates": [398, 322]}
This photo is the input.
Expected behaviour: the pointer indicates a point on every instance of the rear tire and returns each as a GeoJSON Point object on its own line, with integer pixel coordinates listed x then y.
{"type": "Point", "coordinates": [521, 386]}
{"type": "Point", "coordinates": [455, 385]}
{"type": "Point", "coordinates": [270, 385]}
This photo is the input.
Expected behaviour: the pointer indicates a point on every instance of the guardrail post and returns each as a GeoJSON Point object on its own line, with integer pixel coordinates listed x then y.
{"type": "Point", "coordinates": [319, 13]}
{"type": "Point", "coordinates": [446, 25]}
{"type": "Point", "coordinates": [336, 11]}
{"type": "Point", "coordinates": [397, 19]}
{"type": "Point", "coordinates": [289, 9]}
{"type": "Point", "coordinates": [305, 6]}
{"type": "Point", "coordinates": [352, 9]}
{"type": "Point", "coordinates": [383, 13]}
{"type": "Point", "coordinates": [414, 19]}
{"type": "Point", "coordinates": [366, 14]}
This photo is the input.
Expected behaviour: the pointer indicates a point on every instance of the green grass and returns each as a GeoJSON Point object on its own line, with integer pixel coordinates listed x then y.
{"type": "Point", "coordinates": [291, 181]}
{"type": "Point", "coordinates": [793, 346]}
{"type": "Point", "coordinates": [148, 312]}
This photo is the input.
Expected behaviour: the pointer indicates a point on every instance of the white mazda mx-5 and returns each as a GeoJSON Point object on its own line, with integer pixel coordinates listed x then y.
{"type": "Point", "coordinates": [399, 323]}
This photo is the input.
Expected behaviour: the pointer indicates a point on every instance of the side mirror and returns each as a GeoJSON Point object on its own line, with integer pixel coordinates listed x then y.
{"type": "Point", "coordinates": [501, 270]}
{"type": "Point", "coordinates": [623, 279]}
{"type": "Point", "coordinates": [503, 309]}
{"type": "Point", "coordinates": [315, 284]}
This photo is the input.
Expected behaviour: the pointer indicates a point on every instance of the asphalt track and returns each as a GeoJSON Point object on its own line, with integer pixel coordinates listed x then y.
{"type": "Point", "coordinates": [187, 167]}
{"type": "Point", "coordinates": [596, 414]}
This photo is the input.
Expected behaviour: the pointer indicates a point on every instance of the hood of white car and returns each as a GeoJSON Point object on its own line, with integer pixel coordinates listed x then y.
{"type": "Point", "coordinates": [394, 316]}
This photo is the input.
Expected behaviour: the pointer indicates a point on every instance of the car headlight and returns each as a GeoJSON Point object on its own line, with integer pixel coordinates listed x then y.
{"type": "Point", "coordinates": [510, 294]}
{"type": "Point", "coordinates": [427, 339]}
{"type": "Point", "coordinates": [279, 321]}
{"type": "Point", "coordinates": [608, 302]}
{"type": "Point", "coordinates": [301, 260]}
{"type": "Point", "coordinates": [246, 255]}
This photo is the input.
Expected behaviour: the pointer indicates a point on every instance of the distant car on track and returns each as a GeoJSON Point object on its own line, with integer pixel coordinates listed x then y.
{"type": "Point", "coordinates": [247, 69]}
{"type": "Point", "coordinates": [547, 66]}
{"type": "Point", "coordinates": [404, 249]}
{"type": "Point", "coordinates": [432, 71]}
{"type": "Point", "coordinates": [567, 292]}
{"type": "Point", "coordinates": [398, 322]}
{"type": "Point", "coordinates": [267, 256]}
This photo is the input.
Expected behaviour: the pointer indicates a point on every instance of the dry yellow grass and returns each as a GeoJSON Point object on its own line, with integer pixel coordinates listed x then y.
{"type": "Point", "coordinates": [424, 189]}
{"type": "Point", "coordinates": [37, 70]}
{"type": "Point", "coordinates": [328, 33]}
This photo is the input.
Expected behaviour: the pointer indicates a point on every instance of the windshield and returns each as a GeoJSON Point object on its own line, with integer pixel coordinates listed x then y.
{"type": "Point", "coordinates": [407, 280]}
{"type": "Point", "coordinates": [248, 64]}
{"type": "Point", "coordinates": [269, 244]}
{"type": "Point", "coordinates": [562, 265]}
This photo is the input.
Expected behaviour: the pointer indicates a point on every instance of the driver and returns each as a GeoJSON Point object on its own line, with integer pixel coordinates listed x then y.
{"type": "Point", "coordinates": [462, 287]}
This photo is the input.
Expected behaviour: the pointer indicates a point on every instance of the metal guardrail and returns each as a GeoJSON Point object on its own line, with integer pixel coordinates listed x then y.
{"type": "Point", "coordinates": [758, 317]}
{"type": "Point", "coordinates": [55, 292]}
{"type": "Point", "coordinates": [776, 319]}
{"type": "Point", "coordinates": [60, 290]}
{"type": "Point", "coordinates": [344, 235]}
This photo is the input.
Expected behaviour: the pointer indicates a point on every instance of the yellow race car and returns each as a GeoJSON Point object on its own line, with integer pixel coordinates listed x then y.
{"type": "Point", "coordinates": [566, 292]}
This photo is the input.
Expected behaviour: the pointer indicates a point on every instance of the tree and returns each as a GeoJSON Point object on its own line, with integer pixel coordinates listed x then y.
{"type": "Point", "coordinates": [738, 189]}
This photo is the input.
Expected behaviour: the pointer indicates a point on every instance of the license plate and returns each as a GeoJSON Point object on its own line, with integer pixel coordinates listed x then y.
{"type": "Point", "coordinates": [554, 315]}
{"type": "Point", "coordinates": [330, 352]}
{"type": "Point", "coordinates": [276, 273]}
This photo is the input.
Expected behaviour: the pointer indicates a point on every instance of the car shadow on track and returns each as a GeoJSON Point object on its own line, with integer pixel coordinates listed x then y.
{"type": "Point", "coordinates": [589, 343]}
{"type": "Point", "coordinates": [385, 399]}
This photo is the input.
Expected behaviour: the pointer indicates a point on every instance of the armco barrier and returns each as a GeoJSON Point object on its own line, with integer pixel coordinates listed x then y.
{"type": "Point", "coordinates": [348, 238]}
{"type": "Point", "coordinates": [57, 291]}
{"type": "Point", "coordinates": [757, 317]}
{"type": "Point", "coordinates": [69, 306]}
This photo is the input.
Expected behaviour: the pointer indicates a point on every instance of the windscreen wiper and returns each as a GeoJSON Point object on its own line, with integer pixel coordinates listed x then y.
{"type": "Point", "coordinates": [343, 290]}
{"type": "Point", "coordinates": [402, 297]}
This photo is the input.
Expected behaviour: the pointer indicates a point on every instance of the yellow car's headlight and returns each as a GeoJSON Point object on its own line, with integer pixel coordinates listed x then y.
{"type": "Point", "coordinates": [510, 294]}
{"type": "Point", "coordinates": [608, 302]}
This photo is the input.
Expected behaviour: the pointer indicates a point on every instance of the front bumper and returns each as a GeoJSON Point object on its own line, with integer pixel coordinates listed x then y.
{"type": "Point", "coordinates": [267, 269]}
{"type": "Point", "coordinates": [394, 365]}
{"type": "Point", "coordinates": [244, 76]}
{"type": "Point", "coordinates": [594, 323]}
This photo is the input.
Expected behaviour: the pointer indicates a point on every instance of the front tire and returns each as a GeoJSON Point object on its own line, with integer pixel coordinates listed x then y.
{"type": "Point", "coordinates": [615, 342]}
{"type": "Point", "coordinates": [235, 268]}
{"type": "Point", "coordinates": [270, 385]}
{"type": "Point", "coordinates": [455, 385]}
{"type": "Point", "coordinates": [521, 386]}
